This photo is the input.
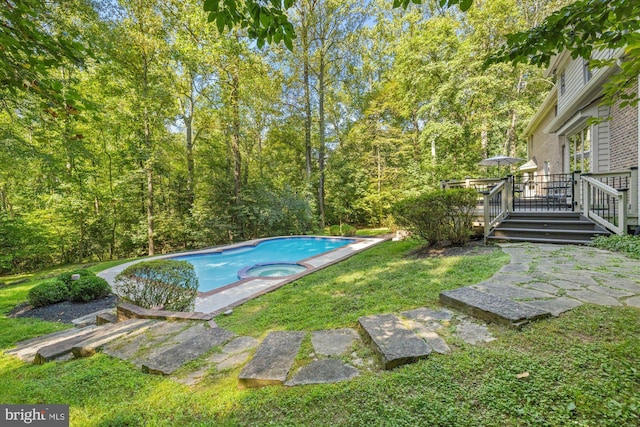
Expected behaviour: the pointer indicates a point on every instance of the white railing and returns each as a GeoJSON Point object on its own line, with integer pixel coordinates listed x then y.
{"type": "Point", "coordinates": [604, 204]}
{"type": "Point", "coordinates": [497, 205]}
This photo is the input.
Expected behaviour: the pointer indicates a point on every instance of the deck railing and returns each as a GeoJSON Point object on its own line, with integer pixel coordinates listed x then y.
{"type": "Point", "coordinates": [496, 205]}
{"type": "Point", "coordinates": [610, 199]}
{"type": "Point", "coordinates": [604, 204]}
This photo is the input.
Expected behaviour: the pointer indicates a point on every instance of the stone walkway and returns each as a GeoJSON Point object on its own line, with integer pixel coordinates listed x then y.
{"type": "Point", "coordinates": [540, 281]}
{"type": "Point", "coordinates": [558, 278]}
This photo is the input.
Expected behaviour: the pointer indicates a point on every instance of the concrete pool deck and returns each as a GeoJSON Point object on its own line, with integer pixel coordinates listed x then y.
{"type": "Point", "coordinates": [232, 295]}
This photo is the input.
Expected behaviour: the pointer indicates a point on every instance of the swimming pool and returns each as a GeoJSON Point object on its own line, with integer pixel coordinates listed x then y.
{"type": "Point", "coordinates": [221, 268]}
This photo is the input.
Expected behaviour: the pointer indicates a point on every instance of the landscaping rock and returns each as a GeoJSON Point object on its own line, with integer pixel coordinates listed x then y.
{"type": "Point", "coordinates": [273, 360]}
{"type": "Point", "coordinates": [194, 342]}
{"type": "Point", "coordinates": [393, 342]}
{"type": "Point", "coordinates": [333, 342]}
{"type": "Point", "coordinates": [323, 371]}
{"type": "Point", "coordinates": [491, 307]}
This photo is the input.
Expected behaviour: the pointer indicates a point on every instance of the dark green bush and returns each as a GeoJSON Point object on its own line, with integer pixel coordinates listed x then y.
{"type": "Point", "coordinates": [439, 215]}
{"type": "Point", "coordinates": [347, 230]}
{"type": "Point", "coordinates": [88, 288]}
{"type": "Point", "coordinates": [170, 284]}
{"type": "Point", "coordinates": [48, 292]}
{"type": "Point", "coordinates": [66, 276]}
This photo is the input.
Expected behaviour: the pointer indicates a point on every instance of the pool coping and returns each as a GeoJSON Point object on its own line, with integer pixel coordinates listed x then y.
{"type": "Point", "coordinates": [219, 300]}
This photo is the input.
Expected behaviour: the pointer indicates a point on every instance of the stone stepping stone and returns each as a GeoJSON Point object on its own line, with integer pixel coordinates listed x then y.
{"type": "Point", "coordinates": [333, 342]}
{"type": "Point", "coordinates": [323, 371]}
{"type": "Point", "coordinates": [64, 347]}
{"type": "Point", "coordinates": [240, 345]}
{"type": "Point", "coordinates": [511, 291]}
{"type": "Point", "coordinates": [426, 315]}
{"type": "Point", "coordinates": [26, 350]}
{"type": "Point", "coordinates": [392, 341]}
{"type": "Point", "coordinates": [134, 346]}
{"type": "Point", "coordinates": [594, 298]}
{"type": "Point", "coordinates": [492, 308]}
{"type": "Point", "coordinates": [434, 340]}
{"type": "Point", "coordinates": [272, 361]}
{"type": "Point", "coordinates": [92, 318]}
{"type": "Point", "coordinates": [556, 306]}
{"type": "Point", "coordinates": [89, 346]}
{"type": "Point", "coordinates": [633, 301]}
{"type": "Point", "coordinates": [185, 347]}
{"type": "Point", "coordinates": [473, 333]}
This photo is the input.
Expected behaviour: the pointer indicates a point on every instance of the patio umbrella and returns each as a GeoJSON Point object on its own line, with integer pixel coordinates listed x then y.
{"type": "Point", "coordinates": [499, 161]}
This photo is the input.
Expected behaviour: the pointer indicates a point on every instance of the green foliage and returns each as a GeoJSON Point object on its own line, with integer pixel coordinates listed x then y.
{"type": "Point", "coordinates": [48, 292]}
{"type": "Point", "coordinates": [439, 215]}
{"type": "Point", "coordinates": [170, 284]}
{"type": "Point", "coordinates": [342, 230]}
{"type": "Point", "coordinates": [66, 276]}
{"type": "Point", "coordinates": [626, 244]}
{"type": "Point", "coordinates": [88, 288]}
{"type": "Point", "coordinates": [582, 27]}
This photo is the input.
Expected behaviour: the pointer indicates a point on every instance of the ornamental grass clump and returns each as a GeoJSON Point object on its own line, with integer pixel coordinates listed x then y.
{"type": "Point", "coordinates": [170, 284]}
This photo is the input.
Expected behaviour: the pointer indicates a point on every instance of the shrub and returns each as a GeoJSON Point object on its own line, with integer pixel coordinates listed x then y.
{"type": "Point", "coordinates": [347, 230]}
{"type": "Point", "coordinates": [167, 283]}
{"type": "Point", "coordinates": [88, 288]}
{"type": "Point", "coordinates": [334, 230]}
{"type": "Point", "coordinates": [439, 215]}
{"type": "Point", "coordinates": [66, 276]}
{"type": "Point", "coordinates": [48, 292]}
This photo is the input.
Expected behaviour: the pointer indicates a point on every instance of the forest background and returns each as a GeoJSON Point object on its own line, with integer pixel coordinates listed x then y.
{"type": "Point", "coordinates": [165, 134]}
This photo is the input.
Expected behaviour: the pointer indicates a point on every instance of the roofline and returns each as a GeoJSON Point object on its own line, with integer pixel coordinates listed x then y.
{"type": "Point", "coordinates": [549, 102]}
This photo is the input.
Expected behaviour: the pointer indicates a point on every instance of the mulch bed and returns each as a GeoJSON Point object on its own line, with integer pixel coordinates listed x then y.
{"type": "Point", "coordinates": [64, 311]}
{"type": "Point", "coordinates": [474, 247]}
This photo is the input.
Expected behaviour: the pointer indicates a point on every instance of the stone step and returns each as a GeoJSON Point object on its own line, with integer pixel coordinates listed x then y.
{"type": "Point", "coordinates": [137, 345]}
{"type": "Point", "coordinates": [185, 347]}
{"type": "Point", "coordinates": [64, 347]}
{"type": "Point", "coordinates": [110, 332]}
{"type": "Point", "coordinates": [492, 308]}
{"type": "Point", "coordinates": [26, 350]}
{"type": "Point", "coordinates": [92, 318]}
{"type": "Point", "coordinates": [392, 341]}
{"type": "Point", "coordinates": [104, 318]}
{"type": "Point", "coordinates": [272, 361]}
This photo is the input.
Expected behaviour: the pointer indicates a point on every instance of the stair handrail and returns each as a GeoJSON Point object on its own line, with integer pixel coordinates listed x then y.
{"type": "Point", "coordinates": [619, 196]}
{"type": "Point", "coordinates": [492, 219]}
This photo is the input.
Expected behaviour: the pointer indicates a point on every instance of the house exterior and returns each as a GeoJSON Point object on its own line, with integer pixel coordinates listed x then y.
{"type": "Point", "coordinates": [561, 137]}
{"type": "Point", "coordinates": [565, 134]}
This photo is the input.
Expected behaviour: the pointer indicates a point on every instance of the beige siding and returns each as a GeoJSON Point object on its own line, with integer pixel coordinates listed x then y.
{"type": "Point", "coordinates": [573, 83]}
{"type": "Point", "coordinates": [601, 132]}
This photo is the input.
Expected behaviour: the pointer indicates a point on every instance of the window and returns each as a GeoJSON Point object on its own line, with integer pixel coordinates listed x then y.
{"type": "Point", "coordinates": [580, 150]}
{"type": "Point", "coordinates": [562, 83]}
{"type": "Point", "coordinates": [586, 71]}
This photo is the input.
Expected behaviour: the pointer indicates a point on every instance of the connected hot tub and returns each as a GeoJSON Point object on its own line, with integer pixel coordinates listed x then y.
{"type": "Point", "coordinates": [275, 269]}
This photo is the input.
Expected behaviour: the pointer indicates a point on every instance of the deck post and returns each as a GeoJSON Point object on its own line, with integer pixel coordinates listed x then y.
{"type": "Point", "coordinates": [586, 199]}
{"type": "Point", "coordinates": [575, 191]}
{"type": "Point", "coordinates": [622, 212]}
{"type": "Point", "coordinates": [634, 189]}
{"type": "Point", "coordinates": [487, 215]}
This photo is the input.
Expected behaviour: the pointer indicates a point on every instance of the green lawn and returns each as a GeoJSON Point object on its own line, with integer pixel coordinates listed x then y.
{"type": "Point", "coordinates": [582, 366]}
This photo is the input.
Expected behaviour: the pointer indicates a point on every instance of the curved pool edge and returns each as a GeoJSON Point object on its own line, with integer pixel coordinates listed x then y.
{"type": "Point", "coordinates": [221, 299]}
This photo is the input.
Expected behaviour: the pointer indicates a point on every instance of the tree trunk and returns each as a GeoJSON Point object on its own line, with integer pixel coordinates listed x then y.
{"type": "Point", "coordinates": [321, 129]}
{"type": "Point", "coordinates": [235, 135]}
{"type": "Point", "coordinates": [188, 124]}
{"type": "Point", "coordinates": [307, 103]}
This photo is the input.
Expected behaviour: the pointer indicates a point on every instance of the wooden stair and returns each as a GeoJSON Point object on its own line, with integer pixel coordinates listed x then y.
{"type": "Point", "coordinates": [547, 227]}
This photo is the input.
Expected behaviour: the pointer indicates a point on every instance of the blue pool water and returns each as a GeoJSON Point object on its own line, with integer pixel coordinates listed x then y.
{"type": "Point", "coordinates": [218, 269]}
